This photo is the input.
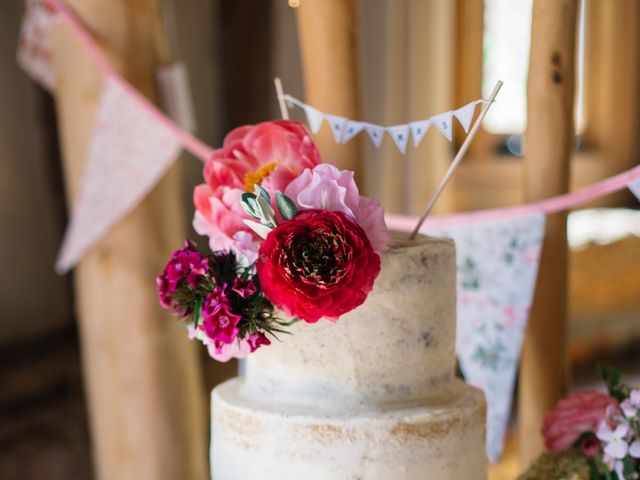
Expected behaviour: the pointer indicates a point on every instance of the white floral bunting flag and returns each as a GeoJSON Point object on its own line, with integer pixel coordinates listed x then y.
{"type": "Point", "coordinates": [634, 186]}
{"type": "Point", "coordinates": [418, 130]}
{"type": "Point", "coordinates": [130, 150]}
{"type": "Point", "coordinates": [400, 135]}
{"type": "Point", "coordinates": [465, 115]}
{"type": "Point", "coordinates": [443, 123]}
{"type": "Point", "coordinates": [314, 117]}
{"type": "Point", "coordinates": [337, 124]}
{"type": "Point", "coordinates": [497, 266]}
{"type": "Point", "coordinates": [351, 129]}
{"type": "Point", "coordinates": [375, 132]}
{"type": "Point", "coordinates": [34, 52]}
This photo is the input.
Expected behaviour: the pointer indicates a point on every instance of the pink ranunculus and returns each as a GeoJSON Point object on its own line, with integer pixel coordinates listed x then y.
{"type": "Point", "coordinates": [270, 154]}
{"type": "Point", "coordinates": [327, 188]}
{"type": "Point", "coordinates": [574, 415]}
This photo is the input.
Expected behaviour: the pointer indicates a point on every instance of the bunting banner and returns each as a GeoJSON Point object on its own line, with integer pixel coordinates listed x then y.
{"type": "Point", "coordinates": [497, 263]}
{"type": "Point", "coordinates": [345, 129]}
{"type": "Point", "coordinates": [34, 51]}
{"type": "Point", "coordinates": [129, 153]}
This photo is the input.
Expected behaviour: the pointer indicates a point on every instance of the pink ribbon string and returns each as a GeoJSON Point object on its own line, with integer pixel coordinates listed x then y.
{"type": "Point", "coordinates": [401, 222]}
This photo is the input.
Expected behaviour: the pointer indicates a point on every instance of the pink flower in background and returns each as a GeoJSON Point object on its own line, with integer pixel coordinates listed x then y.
{"type": "Point", "coordinates": [574, 415]}
{"type": "Point", "coordinates": [226, 351]}
{"type": "Point", "coordinates": [326, 188]}
{"type": "Point", "coordinates": [270, 154]}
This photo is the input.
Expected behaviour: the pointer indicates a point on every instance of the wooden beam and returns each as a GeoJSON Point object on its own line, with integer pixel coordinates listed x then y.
{"type": "Point", "coordinates": [327, 32]}
{"type": "Point", "coordinates": [549, 143]}
{"type": "Point", "coordinates": [142, 376]}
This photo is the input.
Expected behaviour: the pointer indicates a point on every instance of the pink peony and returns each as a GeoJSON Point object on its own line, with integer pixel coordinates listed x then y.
{"type": "Point", "coordinates": [574, 415]}
{"type": "Point", "coordinates": [326, 188]}
{"type": "Point", "coordinates": [270, 154]}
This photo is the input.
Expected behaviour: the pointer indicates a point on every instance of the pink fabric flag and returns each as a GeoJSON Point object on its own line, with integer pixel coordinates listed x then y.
{"type": "Point", "coordinates": [34, 53]}
{"type": "Point", "coordinates": [129, 152]}
{"type": "Point", "coordinates": [497, 264]}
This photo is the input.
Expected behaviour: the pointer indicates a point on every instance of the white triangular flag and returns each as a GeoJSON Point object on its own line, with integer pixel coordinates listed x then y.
{"type": "Point", "coordinates": [351, 129]}
{"type": "Point", "coordinates": [375, 132]}
{"type": "Point", "coordinates": [400, 135]}
{"type": "Point", "coordinates": [130, 151]}
{"type": "Point", "coordinates": [634, 186]}
{"type": "Point", "coordinates": [337, 124]}
{"type": "Point", "coordinates": [497, 265]}
{"type": "Point", "coordinates": [418, 130]}
{"type": "Point", "coordinates": [314, 118]}
{"type": "Point", "coordinates": [465, 115]}
{"type": "Point", "coordinates": [443, 123]}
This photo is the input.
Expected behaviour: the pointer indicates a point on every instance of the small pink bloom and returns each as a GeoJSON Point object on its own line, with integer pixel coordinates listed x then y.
{"type": "Point", "coordinates": [220, 323]}
{"type": "Point", "coordinates": [634, 449]}
{"type": "Point", "coordinates": [256, 340]}
{"type": "Point", "coordinates": [590, 446]}
{"type": "Point", "coordinates": [327, 188]}
{"type": "Point", "coordinates": [574, 415]}
{"type": "Point", "coordinates": [244, 288]}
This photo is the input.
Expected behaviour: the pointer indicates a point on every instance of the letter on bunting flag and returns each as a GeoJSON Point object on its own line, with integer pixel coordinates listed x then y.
{"type": "Point", "coordinates": [337, 124]}
{"type": "Point", "coordinates": [34, 52]}
{"type": "Point", "coordinates": [465, 115]}
{"type": "Point", "coordinates": [314, 117]}
{"type": "Point", "coordinates": [443, 123]}
{"type": "Point", "coordinates": [375, 132]}
{"type": "Point", "coordinates": [497, 265]}
{"type": "Point", "coordinates": [400, 135]}
{"type": "Point", "coordinates": [418, 130]}
{"type": "Point", "coordinates": [634, 186]}
{"type": "Point", "coordinates": [351, 129]}
{"type": "Point", "coordinates": [130, 150]}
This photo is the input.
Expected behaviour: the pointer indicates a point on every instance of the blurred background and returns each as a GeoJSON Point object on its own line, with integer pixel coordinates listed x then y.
{"type": "Point", "coordinates": [415, 58]}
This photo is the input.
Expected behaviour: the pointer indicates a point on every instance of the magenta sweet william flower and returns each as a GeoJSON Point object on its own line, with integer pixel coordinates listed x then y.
{"type": "Point", "coordinates": [327, 188]}
{"type": "Point", "coordinates": [244, 288]}
{"type": "Point", "coordinates": [256, 340]}
{"type": "Point", "coordinates": [220, 324]}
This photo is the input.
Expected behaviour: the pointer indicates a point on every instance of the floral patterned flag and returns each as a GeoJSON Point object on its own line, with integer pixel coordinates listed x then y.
{"type": "Point", "coordinates": [497, 266]}
{"type": "Point", "coordinates": [34, 53]}
{"type": "Point", "coordinates": [130, 151]}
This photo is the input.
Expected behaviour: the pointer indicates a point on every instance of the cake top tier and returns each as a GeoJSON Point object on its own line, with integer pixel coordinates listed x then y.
{"type": "Point", "coordinates": [396, 348]}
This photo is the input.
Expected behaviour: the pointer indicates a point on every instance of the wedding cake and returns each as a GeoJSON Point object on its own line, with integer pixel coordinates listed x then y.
{"type": "Point", "coordinates": [370, 397]}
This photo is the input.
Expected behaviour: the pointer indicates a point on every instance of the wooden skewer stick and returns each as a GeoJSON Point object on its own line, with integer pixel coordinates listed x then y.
{"type": "Point", "coordinates": [281, 101]}
{"type": "Point", "coordinates": [457, 159]}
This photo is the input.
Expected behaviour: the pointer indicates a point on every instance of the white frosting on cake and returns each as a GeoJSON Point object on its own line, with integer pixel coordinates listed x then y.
{"type": "Point", "coordinates": [370, 397]}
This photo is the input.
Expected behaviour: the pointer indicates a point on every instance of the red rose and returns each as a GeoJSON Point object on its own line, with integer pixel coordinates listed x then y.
{"type": "Point", "coordinates": [574, 415]}
{"type": "Point", "coordinates": [319, 264]}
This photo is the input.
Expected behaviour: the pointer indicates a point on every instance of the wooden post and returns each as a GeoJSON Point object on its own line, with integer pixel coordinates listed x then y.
{"type": "Point", "coordinates": [549, 143]}
{"type": "Point", "coordinates": [142, 377]}
{"type": "Point", "coordinates": [327, 31]}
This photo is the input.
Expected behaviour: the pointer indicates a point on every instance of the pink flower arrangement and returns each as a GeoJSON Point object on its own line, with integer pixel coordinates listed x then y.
{"type": "Point", "coordinates": [270, 154]}
{"type": "Point", "coordinates": [312, 251]}
{"type": "Point", "coordinates": [594, 432]}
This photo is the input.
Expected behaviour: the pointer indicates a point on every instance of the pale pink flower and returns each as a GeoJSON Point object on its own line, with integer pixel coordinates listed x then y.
{"type": "Point", "coordinates": [631, 405]}
{"type": "Point", "coordinates": [634, 449]}
{"type": "Point", "coordinates": [240, 348]}
{"type": "Point", "coordinates": [327, 188]}
{"type": "Point", "coordinates": [614, 441]}
{"type": "Point", "coordinates": [574, 415]}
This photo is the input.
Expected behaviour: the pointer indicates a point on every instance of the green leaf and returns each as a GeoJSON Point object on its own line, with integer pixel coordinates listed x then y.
{"type": "Point", "coordinates": [613, 378]}
{"type": "Point", "coordinates": [266, 213]}
{"type": "Point", "coordinates": [259, 228]}
{"type": "Point", "coordinates": [262, 192]}
{"type": "Point", "coordinates": [249, 204]}
{"type": "Point", "coordinates": [286, 206]}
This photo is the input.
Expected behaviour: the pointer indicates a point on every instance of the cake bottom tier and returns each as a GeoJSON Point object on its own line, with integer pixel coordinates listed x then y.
{"type": "Point", "coordinates": [254, 440]}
